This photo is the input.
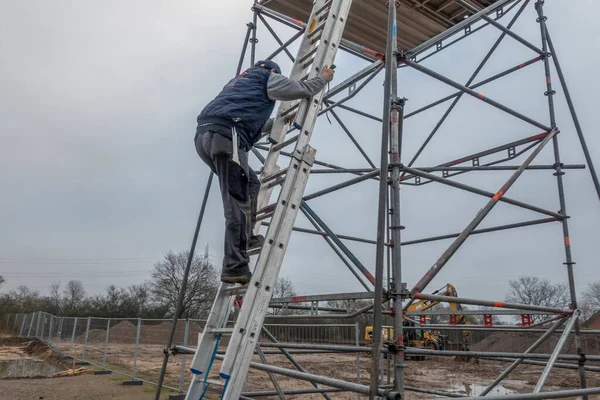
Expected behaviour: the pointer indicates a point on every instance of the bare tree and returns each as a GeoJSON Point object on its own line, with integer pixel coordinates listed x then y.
{"type": "Point", "coordinates": [283, 288]}
{"type": "Point", "coordinates": [28, 300]}
{"type": "Point", "coordinates": [115, 297]}
{"type": "Point", "coordinates": [591, 300]}
{"type": "Point", "coordinates": [532, 290]}
{"type": "Point", "coordinates": [74, 294]}
{"type": "Point", "coordinates": [55, 299]}
{"type": "Point", "coordinates": [167, 277]}
{"type": "Point", "coordinates": [139, 298]}
{"type": "Point", "coordinates": [2, 280]}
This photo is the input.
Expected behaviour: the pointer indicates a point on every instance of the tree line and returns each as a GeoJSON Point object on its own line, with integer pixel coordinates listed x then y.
{"type": "Point", "coordinates": [154, 298]}
{"type": "Point", "coordinates": [157, 297]}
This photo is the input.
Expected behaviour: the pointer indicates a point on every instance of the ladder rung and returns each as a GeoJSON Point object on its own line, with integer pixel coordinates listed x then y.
{"type": "Point", "coordinates": [220, 330]}
{"type": "Point", "coordinates": [308, 63]}
{"type": "Point", "coordinates": [305, 77]}
{"type": "Point", "coordinates": [281, 145]}
{"type": "Point", "coordinates": [316, 30]}
{"type": "Point", "coordinates": [307, 55]}
{"type": "Point", "coordinates": [215, 382]}
{"type": "Point", "coordinates": [326, 5]}
{"type": "Point", "coordinates": [277, 182]}
{"type": "Point", "coordinates": [265, 216]}
{"type": "Point", "coordinates": [236, 290]}
{"type": "Point", "coordinates": [275, 175]}
{"type": "Point", "coordinates": [269, 208]}
{"type": "Point", "coordinates": [292, 108]}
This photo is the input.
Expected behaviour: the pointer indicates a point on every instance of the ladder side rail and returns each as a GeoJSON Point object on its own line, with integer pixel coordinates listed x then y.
{"type": "Point", "coordinates": [219, 313]}
{"type": "Point", "coordinates": [324, 57]}
{"type": "Point", "coordinates": [280, 127]}
{"type": "Point", "coordinates": [332, 30]}
{"type": "Point", "coordinates": [257, 311]}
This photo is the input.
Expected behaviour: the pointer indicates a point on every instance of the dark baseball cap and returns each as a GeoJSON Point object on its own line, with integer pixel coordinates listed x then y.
{"type": "Point", "coordinates": [268, 64]}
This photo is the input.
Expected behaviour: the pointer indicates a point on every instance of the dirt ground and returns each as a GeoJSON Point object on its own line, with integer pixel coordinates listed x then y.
{"type": "Point", "coordinates": [436, 374]}
{"type": "Point", "coordinates": [89, 387]}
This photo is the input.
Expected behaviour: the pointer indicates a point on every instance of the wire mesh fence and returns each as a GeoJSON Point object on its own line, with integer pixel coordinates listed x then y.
{"type": "Point", "coordinates": [314, 334]}
{"type": "Point", "coordinates": [135, 347]}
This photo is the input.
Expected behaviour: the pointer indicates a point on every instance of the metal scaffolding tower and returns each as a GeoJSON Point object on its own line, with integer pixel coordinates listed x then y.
{"type": "Point", "coordinates": [403, 34]}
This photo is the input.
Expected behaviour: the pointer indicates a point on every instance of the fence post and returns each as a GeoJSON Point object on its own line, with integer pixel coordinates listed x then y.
{"type": "Point", "coordinates": [137, 345]}
{"type": "Point", "coordinates": [60, 325]}
{"type": "Point", "coordinates": [73, 336]}
{"type": "Point", "coordinates": [87, 331]}
{"type": "Point", "coordinates": [50, 330]}
{"type": "Point", "coordinates": [43, 317]}
{"type": "Point", "coordinates": [106, 344]}
{"type": "Point", "coordinates": [16, 321]}
{"type": "Point", "coordinates": [37, 325]}
{"type": "Point", "coordinates": [22, 325]}
{"type": "Point", "coordinates": [357, 343]}
{"type": "Point", "coordinates": [30, 325]}
{"type": "Point", "coordinates": [184, 356]}
{"type": "Point", "coordinates": [8, 321]}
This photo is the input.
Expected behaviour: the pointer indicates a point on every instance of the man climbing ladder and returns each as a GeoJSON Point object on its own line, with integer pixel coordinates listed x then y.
{"type": "Point", "coordinates": [239, 115]}
{"type": "Point", "coordinates": [227, 129]}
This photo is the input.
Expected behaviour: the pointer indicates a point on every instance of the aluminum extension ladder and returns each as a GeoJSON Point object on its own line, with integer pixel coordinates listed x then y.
{"type": "Point", "coordinates": [318, 48]}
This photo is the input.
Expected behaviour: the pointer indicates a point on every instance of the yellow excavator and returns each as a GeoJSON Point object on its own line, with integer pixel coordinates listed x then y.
{"type": "Point", "coordinates": [424, 338]}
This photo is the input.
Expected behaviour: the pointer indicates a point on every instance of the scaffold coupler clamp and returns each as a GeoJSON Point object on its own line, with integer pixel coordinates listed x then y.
{"type": "Point", "coordinates": [582, 359]}
{"type": "Point", "coordinates": [398, 103]}
{"type": "Point", "coordinates": [558, 168]}
{"type": "Point", "coordinates": [252, 27]}
{"type": "Point", "coordinates": [396, 3]}
{"type": "Point", "coordinates": [538, 4]}
{"type": "Point", "coordinates": [393, 165]}
{"type": "Point", "coordinates": [400, 55]}
{"type": "Point", "coordinates": [396, 346]}
{"type": "Point", "coordinates": [404, 292]}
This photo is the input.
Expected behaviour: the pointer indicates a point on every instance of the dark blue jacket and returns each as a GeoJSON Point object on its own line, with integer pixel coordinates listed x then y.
{"type": "Point", "coordinates": [242, 103]}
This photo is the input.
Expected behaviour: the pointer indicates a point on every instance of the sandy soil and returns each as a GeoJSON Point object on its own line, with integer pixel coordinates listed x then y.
{"type": "Point", "coordinates": [438, 374]}
{"type": "Point", "coordinates": [88, 387]}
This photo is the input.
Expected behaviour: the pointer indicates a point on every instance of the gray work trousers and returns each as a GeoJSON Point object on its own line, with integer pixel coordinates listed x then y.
{"type": "Point", "coordinates": [239, 186]}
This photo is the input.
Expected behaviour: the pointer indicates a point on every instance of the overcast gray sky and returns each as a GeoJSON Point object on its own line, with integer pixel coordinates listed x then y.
{"type": "Point", "coordinates": [100, 178]}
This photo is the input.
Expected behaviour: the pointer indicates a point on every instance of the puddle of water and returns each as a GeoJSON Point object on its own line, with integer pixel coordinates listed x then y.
{"type": "Point", "coordinates": [473, 389]}
{"type": "Point", "coordinates": [26, 368]}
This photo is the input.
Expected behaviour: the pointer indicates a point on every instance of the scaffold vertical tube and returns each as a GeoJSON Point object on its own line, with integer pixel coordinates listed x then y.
{"type": "Point", "coordinates": [563, 82]}
{"type": "Point", "coordinates": [539, 6]}
{"type": "Point", "coordinates": [396, 116]}
{"type": "Point", "coordinates": [390, 64]}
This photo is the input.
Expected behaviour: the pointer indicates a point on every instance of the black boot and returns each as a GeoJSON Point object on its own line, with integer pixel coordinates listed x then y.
{"type": "Point", "coordinates": [241, 279]}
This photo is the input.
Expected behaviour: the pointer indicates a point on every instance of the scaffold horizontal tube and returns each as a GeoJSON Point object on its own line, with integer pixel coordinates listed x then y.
{"type": "Point", "coordinates": [464, 300]}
